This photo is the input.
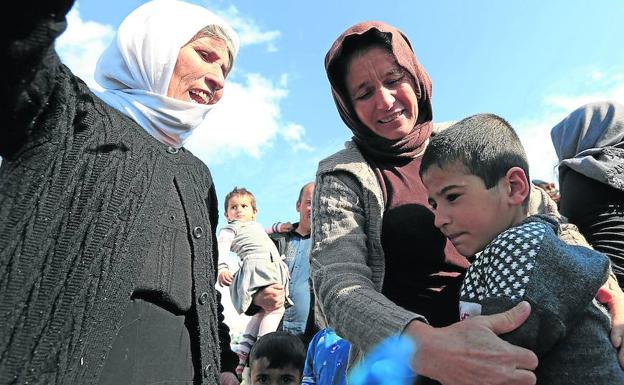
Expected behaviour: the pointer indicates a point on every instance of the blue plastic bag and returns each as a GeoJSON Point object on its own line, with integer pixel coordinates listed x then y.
{"type": "Point", "coordinates": [387, 364]}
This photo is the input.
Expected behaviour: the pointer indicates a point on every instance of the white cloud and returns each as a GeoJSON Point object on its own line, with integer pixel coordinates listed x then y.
{"type": "Point", "coordinates": [82, 43]}
{"type": "Point", "coordinates": [246, 120]}
{"type": "Point", "coordinates": [535, 137]}
{"type": "Point", "coordinates": [597, 75]}
{"type": "Point", "coordinates": [249, 32]}
{"type": "Point", "coordinates": [599, 85]}
{"type": "Point", "coordinates": [293, 133]}
{"type": "Point", "coordinates": [596, 86]}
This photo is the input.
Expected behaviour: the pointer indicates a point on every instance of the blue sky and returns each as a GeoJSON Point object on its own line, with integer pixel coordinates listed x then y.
{"type": "Point", "coordinates": [531, 62]}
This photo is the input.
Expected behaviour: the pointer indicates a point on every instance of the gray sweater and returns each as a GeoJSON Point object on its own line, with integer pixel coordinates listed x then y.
{"type": "Point", "coordinates": [347, 260]}
{"type": "Point", "coordinates": [567, 329]}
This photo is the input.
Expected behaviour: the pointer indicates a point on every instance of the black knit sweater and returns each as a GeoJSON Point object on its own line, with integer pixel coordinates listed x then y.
{"type": "Point", "coordinates": [92, 210]}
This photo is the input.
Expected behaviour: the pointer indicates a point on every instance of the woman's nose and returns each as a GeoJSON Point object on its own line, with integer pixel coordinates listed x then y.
{"type": "Point", "coordinates": [215, 79]}
{"type": "Point", "coordinates": [384, 99]}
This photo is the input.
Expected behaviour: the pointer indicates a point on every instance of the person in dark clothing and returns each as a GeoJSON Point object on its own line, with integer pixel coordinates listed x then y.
{"type": "Point", "coordinates": [108, 255]}
{"type": "Point", "coordinates": [294, 244]}
{"type": "Point", "coordinates": [590, 146]}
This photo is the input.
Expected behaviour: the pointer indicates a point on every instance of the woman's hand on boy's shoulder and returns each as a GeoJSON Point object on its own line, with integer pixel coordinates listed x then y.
{"type": "Point", "coordinates": [470, 352]}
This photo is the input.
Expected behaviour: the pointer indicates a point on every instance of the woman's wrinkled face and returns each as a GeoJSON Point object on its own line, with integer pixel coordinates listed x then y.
{"type": "Point", "coordinates": [200, 71]}
{"type": "Point", "coordinates": [382, 93]}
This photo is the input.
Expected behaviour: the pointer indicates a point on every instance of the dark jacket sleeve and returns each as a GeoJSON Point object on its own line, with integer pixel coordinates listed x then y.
{"type": "Point", "coordinates": [27, 38]}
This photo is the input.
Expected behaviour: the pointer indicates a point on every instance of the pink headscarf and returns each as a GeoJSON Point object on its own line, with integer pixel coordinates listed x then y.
{"type": "Point", "coordinates": [374, 145]}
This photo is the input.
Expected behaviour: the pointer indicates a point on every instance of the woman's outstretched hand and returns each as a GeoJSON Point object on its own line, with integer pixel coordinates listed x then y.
{"type": "Point", "coordinates": [470, 352]}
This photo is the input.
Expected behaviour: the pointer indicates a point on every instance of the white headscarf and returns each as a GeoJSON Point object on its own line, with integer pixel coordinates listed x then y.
{"type": "Point", "coordinates": [135, 70]}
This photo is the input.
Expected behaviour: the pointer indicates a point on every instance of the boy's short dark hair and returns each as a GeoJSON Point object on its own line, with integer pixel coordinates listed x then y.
{"type": "Point", "coordinates": [240, 191]}
{"type": "Point", "coordinates": [485, 144]}
{"type": "Point", "coordinates": [281, 349]}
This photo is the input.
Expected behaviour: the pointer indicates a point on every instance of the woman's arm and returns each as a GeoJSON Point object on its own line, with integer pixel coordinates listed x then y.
{"type": "Point", "coordinates": [27, 38]}
{"type": "Point", "coordinates": [342, 265]}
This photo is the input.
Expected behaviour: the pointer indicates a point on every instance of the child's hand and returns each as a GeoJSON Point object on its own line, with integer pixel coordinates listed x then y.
{"type": "Point", "coordinates": [225, 278]}
{"type": "Point", "coordinates": [285, 227]}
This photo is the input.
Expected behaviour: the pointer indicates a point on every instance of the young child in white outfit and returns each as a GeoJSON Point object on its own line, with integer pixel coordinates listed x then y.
{"type": "Point", "coordinates": [261, 265]}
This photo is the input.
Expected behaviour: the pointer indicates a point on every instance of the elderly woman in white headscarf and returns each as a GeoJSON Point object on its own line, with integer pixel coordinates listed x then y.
{"type": "Point", "coordinates": [107, 223]}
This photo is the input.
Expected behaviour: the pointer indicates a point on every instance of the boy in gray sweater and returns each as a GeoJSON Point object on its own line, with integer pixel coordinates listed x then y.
{"type": "Point", "coordinates": [476, 174]}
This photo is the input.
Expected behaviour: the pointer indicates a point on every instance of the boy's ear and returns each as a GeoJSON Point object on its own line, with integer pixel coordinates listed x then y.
{"type": "Point", "coordinates": [519, 187]}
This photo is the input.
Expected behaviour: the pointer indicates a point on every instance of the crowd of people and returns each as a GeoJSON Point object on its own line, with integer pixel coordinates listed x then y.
{"type": "Point", "coordinates": [111, 248]}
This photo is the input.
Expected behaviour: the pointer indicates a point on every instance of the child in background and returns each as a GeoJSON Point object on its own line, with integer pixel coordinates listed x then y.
{"type": "Point", "coordinates": [261, 265]}
{"type": "Point", "coordinates": [277, 358]}
{"type": "Point", "coordinates": [476, 175]}
{"type": "Point", "coordinates": [326, 360]}
{"type": "Point", "coordinates": [550, 189]}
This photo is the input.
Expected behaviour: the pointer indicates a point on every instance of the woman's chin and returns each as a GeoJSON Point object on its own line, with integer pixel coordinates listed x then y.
{"type": "Point", "coordinates": [394, 133]}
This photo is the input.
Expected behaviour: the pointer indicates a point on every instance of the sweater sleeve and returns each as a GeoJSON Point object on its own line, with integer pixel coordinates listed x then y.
{"type": "Point", "coordinates": [340, 270]}
{"type": "Point", "coordinates": [502, 276]}
{"type": "Point", "coordinates": [30, 67]}
{"type": "Point", "coordinates": [224, 240]}
{"type": "Point", "coordinates": [529, 263]}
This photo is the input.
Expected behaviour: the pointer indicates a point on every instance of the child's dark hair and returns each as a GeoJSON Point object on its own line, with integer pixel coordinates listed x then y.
{"type": "Point", "coordinates": [240, 191]}
{"type": "Point", "coordinates": [485, 144]}
{"type": "Point", "coordinates": [281, 349]}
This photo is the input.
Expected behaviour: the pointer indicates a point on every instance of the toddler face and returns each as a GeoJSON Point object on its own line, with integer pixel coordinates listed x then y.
{"type": "Point", "coordinates": [239, 208]}
{"type": "Point", "coordinates": [261, 374]}
{"type": "Point", "coordinates": [467, 213]}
